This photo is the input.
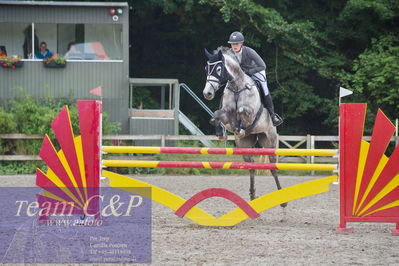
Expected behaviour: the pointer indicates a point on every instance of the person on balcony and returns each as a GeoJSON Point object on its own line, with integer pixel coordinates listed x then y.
{"type": "Point", "coordinates": [74, 52]}
{"type": "Point", "coordinates": [43, 53]}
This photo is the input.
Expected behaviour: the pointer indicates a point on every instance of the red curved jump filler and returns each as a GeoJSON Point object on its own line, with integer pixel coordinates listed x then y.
{"type": "Point", "coordinates": [217, 192]}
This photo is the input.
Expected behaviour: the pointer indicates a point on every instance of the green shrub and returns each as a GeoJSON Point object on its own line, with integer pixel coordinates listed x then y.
{"type": "Point", "coordinates": [25, 167]}
{"type": "Point", "coordinates": [28, 115]}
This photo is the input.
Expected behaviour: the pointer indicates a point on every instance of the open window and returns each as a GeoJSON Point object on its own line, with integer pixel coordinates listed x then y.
{"type": "Point", "coordinates": [14, 38]}
{"type": "Point", "coordinates": [86, 42]}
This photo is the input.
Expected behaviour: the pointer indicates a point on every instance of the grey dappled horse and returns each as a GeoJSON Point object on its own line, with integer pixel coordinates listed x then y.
{"type": "Point", "coordinates": [242, 111]}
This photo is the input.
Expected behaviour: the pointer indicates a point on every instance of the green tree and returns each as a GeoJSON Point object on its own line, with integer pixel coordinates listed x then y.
{"type": "Point", "coordinates": [374, 76]}
{"type": "Point", "coordinates": [310, 48]}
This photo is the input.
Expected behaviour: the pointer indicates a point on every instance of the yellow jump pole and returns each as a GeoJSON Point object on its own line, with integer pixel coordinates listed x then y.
{"type": "Point", "coordinates": [219, 165]}
{"type": "Point", "coordinates": [221, 151]}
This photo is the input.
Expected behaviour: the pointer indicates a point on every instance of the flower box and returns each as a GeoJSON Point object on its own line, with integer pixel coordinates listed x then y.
{"type": "Point", "coordinates": [56, 61]}
{"type": "Point", "coordinates": [11, 62]}
{"type": "Point", "coordinates": [53, 64]}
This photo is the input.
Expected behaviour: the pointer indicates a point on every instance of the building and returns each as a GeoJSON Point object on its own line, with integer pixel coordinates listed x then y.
{"type": "Point", "coordinates": [93, 35]}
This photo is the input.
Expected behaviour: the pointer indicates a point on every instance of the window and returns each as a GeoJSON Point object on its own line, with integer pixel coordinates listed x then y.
{"type": "Point", "coordinates": [13, 38]}
{"type": "Point", "coordinates": [75, 41]}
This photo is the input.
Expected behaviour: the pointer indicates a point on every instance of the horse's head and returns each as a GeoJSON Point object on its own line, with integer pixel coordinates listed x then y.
{"type": "Point", "coordinates": [217, 74]}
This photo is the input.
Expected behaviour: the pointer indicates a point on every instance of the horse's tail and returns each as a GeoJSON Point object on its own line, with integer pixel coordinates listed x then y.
{"type": "Point", "coordinates": [263, 159]}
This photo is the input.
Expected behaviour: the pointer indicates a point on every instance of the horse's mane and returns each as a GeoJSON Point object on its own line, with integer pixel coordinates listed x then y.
{"type": "Point", "coordinates": [221, 48]}
{"type": "Point", "coordinates": [230, 61]}
{"type": "Point", "coordinates": [225, 51]}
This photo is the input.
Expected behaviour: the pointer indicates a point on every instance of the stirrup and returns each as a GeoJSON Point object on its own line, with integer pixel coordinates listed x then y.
{"type": "Point", "coordinates": [276, 119]}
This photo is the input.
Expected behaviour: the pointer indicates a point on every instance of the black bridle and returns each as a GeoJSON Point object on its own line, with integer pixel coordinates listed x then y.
{"type": "Point", "coordinates": [221, 78]}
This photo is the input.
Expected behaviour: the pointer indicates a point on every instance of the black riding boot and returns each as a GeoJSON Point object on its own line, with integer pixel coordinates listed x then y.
{"type": "Point", "coordinates": [276, 119]}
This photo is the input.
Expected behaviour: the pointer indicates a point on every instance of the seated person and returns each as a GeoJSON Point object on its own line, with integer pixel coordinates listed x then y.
{"type": "Point", "coordinates": [43, 53]}
{"type": "Point", "coordinates": [99, 51]}
{"type": "Point", "coordinates": [3, 51]}
{"type": "Point", "coordinates": [73, 52]}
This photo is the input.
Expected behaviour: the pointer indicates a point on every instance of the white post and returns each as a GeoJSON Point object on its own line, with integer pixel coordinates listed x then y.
{"type": "Point", "coordinates": [163, 141]}
{"type": "Point", "coordinates": [33, 41]}
{"type": "Point", "coordinates": [308, 146]}
{"type": "Point", "coordinates": [342, 93]}
{"type": "Point", "coordinates": [312, 146]}
{"type": "Point", "coordinates": [396, 132]}
{"type": "Point", "coordinates": [101, 139]}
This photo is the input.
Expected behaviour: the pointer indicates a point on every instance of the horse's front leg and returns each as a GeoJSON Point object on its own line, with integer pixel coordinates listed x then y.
{"type": "Point", "coordinates": [238, 127]}
{"type": "Point", "coordinates": [219, 118]}
{"type": "Point", "coordinates": [218, 126]}
{"type": "Point", "coordinates": [243, 120]}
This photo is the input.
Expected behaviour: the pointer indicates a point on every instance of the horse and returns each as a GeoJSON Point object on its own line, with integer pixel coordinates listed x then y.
{"type": "Point", "coordinates": [242, 111]}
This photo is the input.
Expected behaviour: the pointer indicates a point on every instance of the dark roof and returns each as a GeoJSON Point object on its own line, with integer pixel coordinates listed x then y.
{"type": "Point", "coordinates": [63, 3]}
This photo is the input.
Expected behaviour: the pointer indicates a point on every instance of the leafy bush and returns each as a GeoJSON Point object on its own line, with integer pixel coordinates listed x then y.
{"type": "Point", "coordinates": [15, 168]}
{"type": "Point", "coordinates": [7, 124]}
{"type": "Point", "coordinates": [27, 115]}
{"type": "Point", "coordinates": [142, 98]}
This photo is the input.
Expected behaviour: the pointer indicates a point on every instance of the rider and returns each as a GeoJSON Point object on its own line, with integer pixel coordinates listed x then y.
{"type": "Point", "coordinates": [253, 65]}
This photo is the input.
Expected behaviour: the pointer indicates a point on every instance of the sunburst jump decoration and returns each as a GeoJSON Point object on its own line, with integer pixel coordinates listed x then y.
{"type": "Point", "coordinates": [73, 172]}
{"type": "Point", "coordinates": [369, 180]}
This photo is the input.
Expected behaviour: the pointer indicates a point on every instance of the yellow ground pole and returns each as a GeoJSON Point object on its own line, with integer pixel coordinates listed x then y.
{"type": "Point", "coordinates": [231, 218]}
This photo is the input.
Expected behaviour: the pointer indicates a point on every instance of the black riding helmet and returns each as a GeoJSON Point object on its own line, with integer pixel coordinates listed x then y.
{"type": "Point", "coordinates": [236, 37]}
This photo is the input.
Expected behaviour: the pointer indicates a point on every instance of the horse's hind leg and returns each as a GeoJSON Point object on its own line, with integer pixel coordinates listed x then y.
{"type": "Point", "coordinates": [271, 142]}
{"type": "Point", "coordinates": [250, 159]}
{"type": "Point", "coordinates": [249, 142]}
{"type": "Point", "coordinates": [252, 194]}
{"type": "Point", "coordinates": [273, 159]}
